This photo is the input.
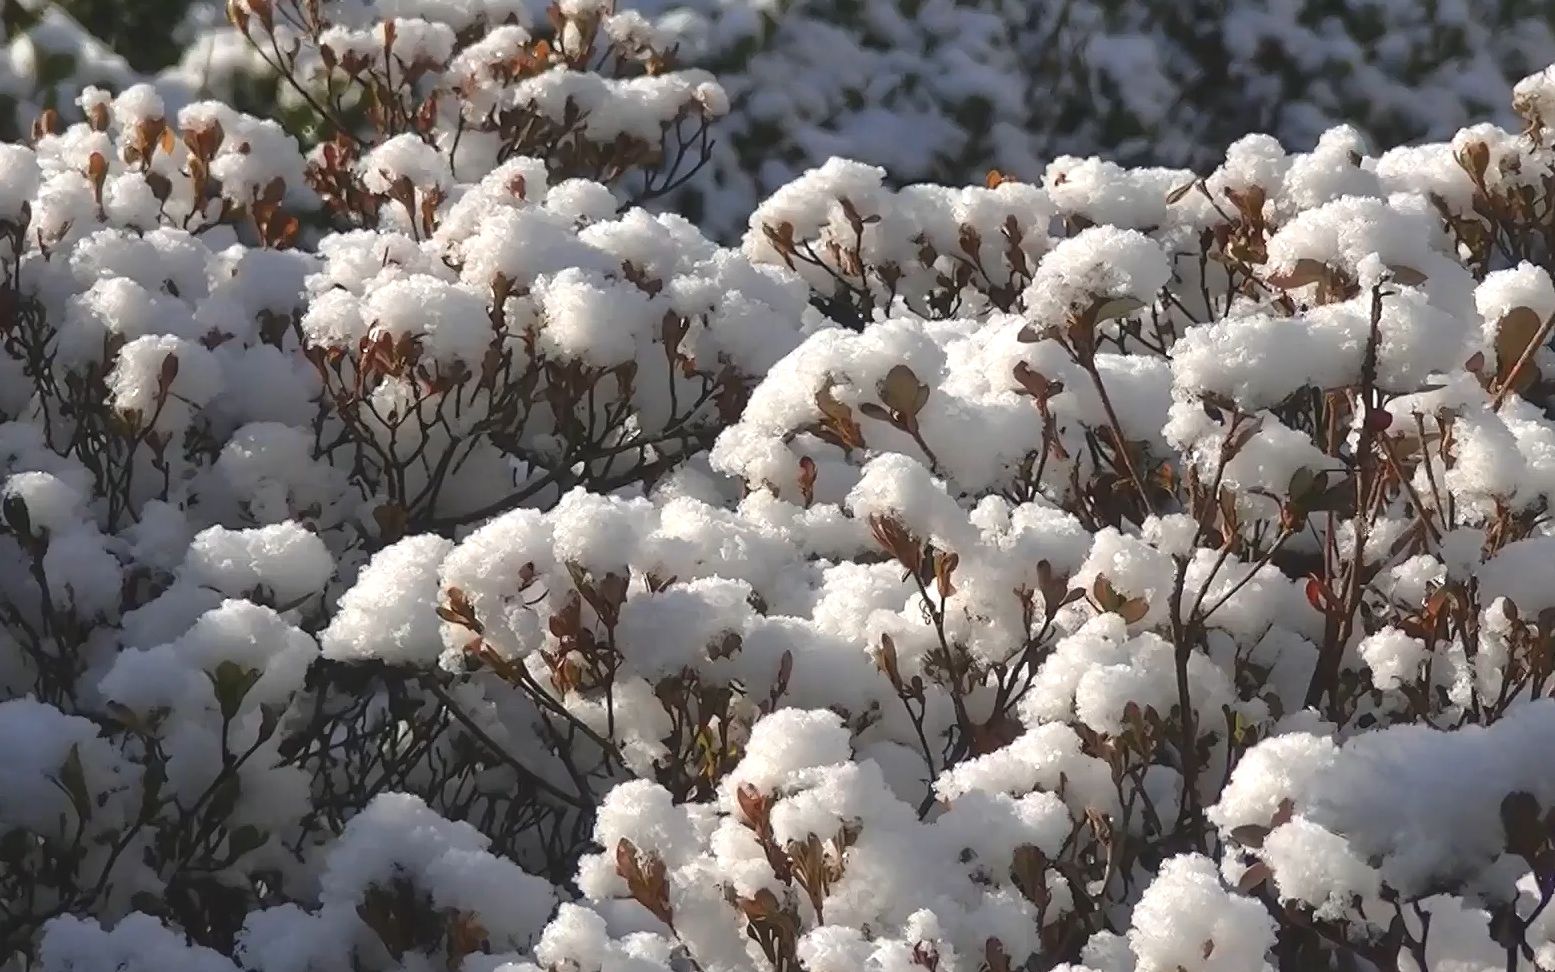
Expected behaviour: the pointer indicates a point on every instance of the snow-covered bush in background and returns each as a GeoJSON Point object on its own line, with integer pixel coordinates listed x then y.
{"type": "Point", "coordinates": [935, 90]}
{"type": "Point", "coordinates": [945, 90]}
{"type": "Point", "coordinates": [415, 554]}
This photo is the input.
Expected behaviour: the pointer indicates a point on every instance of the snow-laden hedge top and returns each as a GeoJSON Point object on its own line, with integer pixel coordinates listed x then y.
{"type": "Point", "coordinates": [414, 555]}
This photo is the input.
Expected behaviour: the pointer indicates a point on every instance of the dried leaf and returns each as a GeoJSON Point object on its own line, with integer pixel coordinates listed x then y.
{"type": "Point", "coordinates": [1283, 815]}
{"type": "Point", "coordinates": [466, 936]}
{"type": "Point", "coordinates": [1516, 330]}
{"type": "Point", "coordinates": [1133, 610]}
{"type": "Point", "coordinates": [1475, 159]}
{"type": "Point", "coordinates": [1520, 818]}
{"type": "Point", "coordinates": [1303, 273]}
{"type": "Point", "coordinates": [902, 392]}
{"type": "Point", "coordinates": [1036, 384]}
{"type": "Point", "coordinates": [1250, 835]}
{"type": "Point", "coordinates": [1028, 867]}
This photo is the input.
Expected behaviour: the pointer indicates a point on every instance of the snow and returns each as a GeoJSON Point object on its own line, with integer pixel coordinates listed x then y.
{"type": "Point", "coordinates": [1342, 789]}
{"type": "Point", "coordinates": [1187, 919]}
{"type": "Point", "coordinates": [448, 858]}
{"type": "Point", "coordinates": [1102, 267]}
{"type": "Point", "coordinates": [403, 157]}
{"type": "Point", "coordinates": [18, 179]}
{"type": "Point", "coordinates": [589, 318]}
{"type": "Point", "coordinates": [148, 371]}
{"type": "Point", "coordinates": [44, 739]}
{"type": "Point", "coordinates": [450, 321]}
{"type": "Point", "coordinates": [386, 614]}
{"type": "Point", "coordinates": [139, 943]}
{"type": "Point", "coordinates": [566, 510]}
{"type": "Point", "coordinates": [284, 559]}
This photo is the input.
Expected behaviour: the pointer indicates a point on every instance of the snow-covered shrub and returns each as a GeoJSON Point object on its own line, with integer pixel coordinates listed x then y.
{"type": "Point", "coordinates": [415, 554]}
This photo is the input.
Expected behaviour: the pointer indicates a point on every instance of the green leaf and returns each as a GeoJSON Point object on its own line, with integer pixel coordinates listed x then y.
{"type": "Point", "coordinates": [54, 68]}
{"type": "Point", "coordinates": [225, 798]}
{"type": "Point", "coordinates": [1301, 483]}
{"type": "Point", "coordinates": [1106, 310]}
{"type": "Point", "coordinates": [72, 779]}
{"type": "Point", "coordinates": [269, 718]}
{"type": "Point", "coordinates": [14, 845]}
{"type": "Point", "coordinates": [241, 840]}
{"type": "Point", "coordinates": [126, 717]}
{"type": "Point", "coordinates": [14, 509]}
{"type": "Point", "coordinates": [150, 903]}
{"type": "Point", "coordinates": [151, 787]}
{"type": "Point", "coordinates": [231, 683]}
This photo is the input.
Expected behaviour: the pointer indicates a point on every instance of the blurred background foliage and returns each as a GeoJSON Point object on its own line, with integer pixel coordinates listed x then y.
{"type": "Point", "coordinates": [934, 90]}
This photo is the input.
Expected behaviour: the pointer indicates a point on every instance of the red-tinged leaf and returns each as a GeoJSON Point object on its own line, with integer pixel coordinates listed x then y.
{"type": "Point", "coordinates": [944, 567]}
{"type": "Point", "coordinates": [1133, 610]}
{"type": "Point", "coordinates": [1106, 596]}
{"type": "Point", "coordinates": [1283, 815]}
{"type": "Point", "coordinates": [1036, 384]}
{"type": "Point", "coordinates": [1317, 594]}
{"type": "Point", "coordinates": [167, 372]}
{"type": "Point", "coordinates": [753, 806]}
{"type": "Point", "coordinates": [994, 956]}
{"type": "Point", "coordinates": [1379, 419]}
{"type": "Point", "coordinates": [807, 474]}
{"type": "Point", "coordinates": [466, 936]}
{"type": "Point", "coordinates": [627, 865]}
{"type": "Point", "coordinates": [885, 660]}
{"type": "Point", "coordinates": [785, 672]}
